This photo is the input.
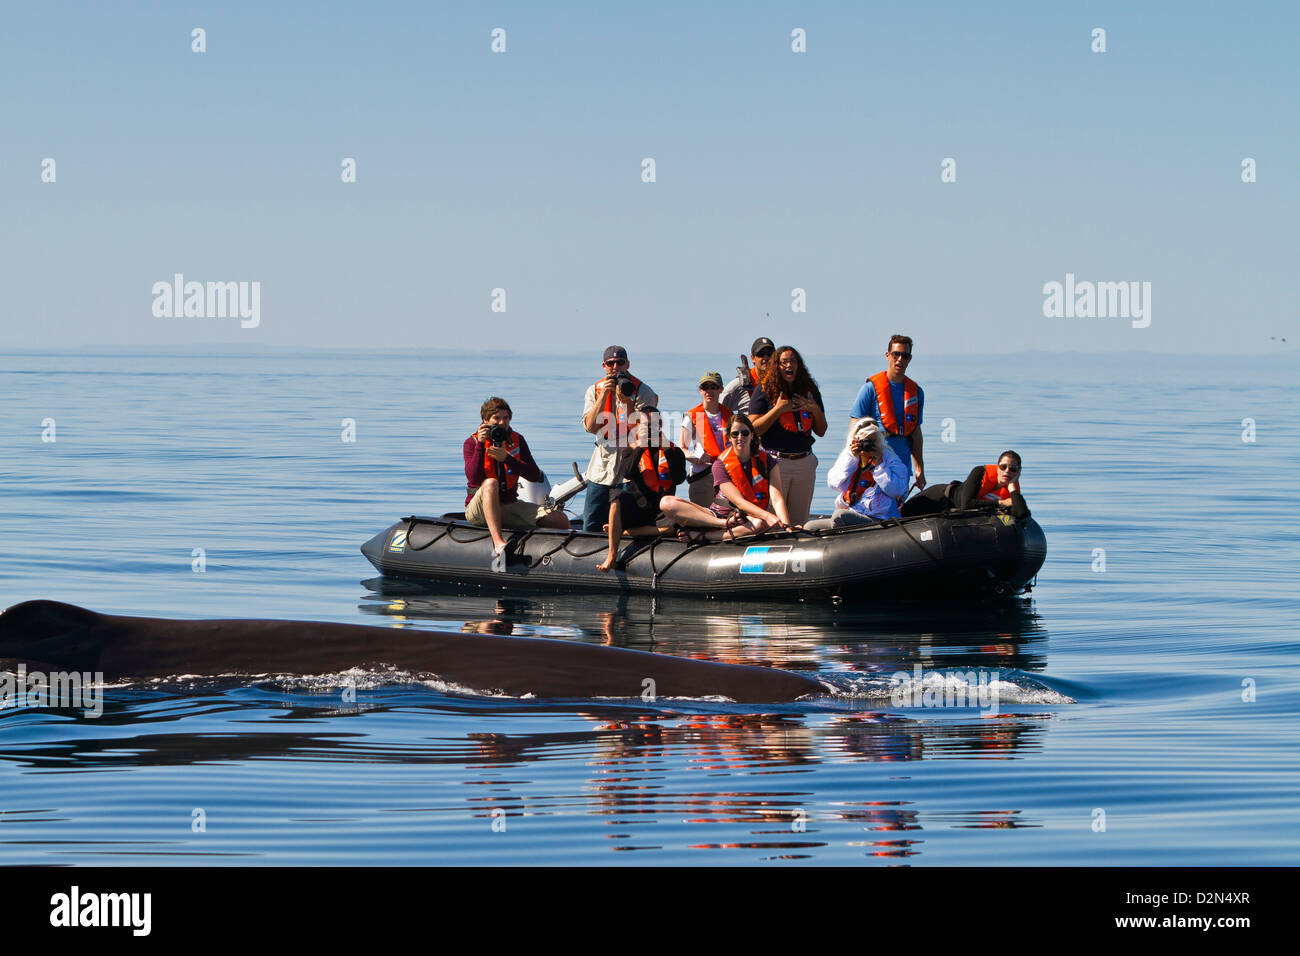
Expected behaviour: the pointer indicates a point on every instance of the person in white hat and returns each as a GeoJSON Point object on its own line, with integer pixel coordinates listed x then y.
{"type": "Point", "coordinates": [870, 478]}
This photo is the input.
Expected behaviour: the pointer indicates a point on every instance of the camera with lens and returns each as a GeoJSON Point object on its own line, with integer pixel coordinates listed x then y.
{"type": "Point", "coordinates": [498, 434]}
{"type": "Point", "coordinates": [626, 387]}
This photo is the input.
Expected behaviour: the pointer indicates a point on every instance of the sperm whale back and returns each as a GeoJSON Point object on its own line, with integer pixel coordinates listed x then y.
{"type": "Point", "coordinates": [65, 636]}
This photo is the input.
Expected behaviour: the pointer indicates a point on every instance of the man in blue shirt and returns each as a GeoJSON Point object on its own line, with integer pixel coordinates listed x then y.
{"type": "Point", "coordinates": [894, 400]}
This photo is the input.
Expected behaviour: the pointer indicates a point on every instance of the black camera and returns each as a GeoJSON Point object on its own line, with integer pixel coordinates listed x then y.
{"type": "Point", "coordinates": [498, 434]}
{"type": "Point", "coordinates": [626, 387]}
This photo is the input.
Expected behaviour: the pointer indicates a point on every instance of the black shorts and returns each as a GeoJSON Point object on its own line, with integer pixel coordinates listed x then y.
{"type": "Point", "coordinates": [634, 516]}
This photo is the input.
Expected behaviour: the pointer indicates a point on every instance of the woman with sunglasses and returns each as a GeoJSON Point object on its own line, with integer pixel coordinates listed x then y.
{"type": "Point", "coordinates": [789, 414]}
{"type": "Point", "coordinates": [987, 486]}
{"type": "Point", "coordinates": [748, 484]}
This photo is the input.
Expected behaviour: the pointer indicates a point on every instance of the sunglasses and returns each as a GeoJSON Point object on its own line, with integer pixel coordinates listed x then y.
{"type": "Point", "coordinates": [1012, 468]}
{"type": "Point", "coordinates": [710, 387]}
{"type": "Point", "coordinates": [741, 433]}
{"type": "Point", "coordinates": [615, 363]}
{"type": "Point", "coordinates": [901, 356]}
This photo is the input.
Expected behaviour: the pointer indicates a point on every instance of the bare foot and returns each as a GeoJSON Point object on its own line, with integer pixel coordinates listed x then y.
{"type": "Point", "coordinates": [606, 564]}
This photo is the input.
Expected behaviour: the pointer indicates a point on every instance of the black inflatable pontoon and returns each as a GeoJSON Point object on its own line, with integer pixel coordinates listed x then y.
{"type": "Point", "coordinates": [969, 554]}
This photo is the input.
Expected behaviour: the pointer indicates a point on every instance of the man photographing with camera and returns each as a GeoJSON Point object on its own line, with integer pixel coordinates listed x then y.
{"type": "Point", "coordinates": [604, 414]}
{"type": "Point", "coordinates": [496, 457]}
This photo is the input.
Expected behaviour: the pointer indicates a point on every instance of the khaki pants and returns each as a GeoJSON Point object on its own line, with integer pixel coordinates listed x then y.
{"type": "Point", "coordinates": [798, 479]}
{"type": "Point", "coordinates": [514, 514]}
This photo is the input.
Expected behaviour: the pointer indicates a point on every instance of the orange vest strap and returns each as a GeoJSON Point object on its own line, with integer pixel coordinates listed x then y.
{"type": "Point", "coordinates": [657, 474]}
{"type": "Point", "coordinates": [492, 469]}
{"type": "Point", "coordinates": [862, 480]}
{"type": "Point", "coordinates": [751, 482]}
{"type": "Point", "coordinates": [700, 419]}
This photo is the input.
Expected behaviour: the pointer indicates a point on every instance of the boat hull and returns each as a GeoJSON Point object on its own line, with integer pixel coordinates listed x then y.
{"type": "Point", "coordinates": [960, 555]}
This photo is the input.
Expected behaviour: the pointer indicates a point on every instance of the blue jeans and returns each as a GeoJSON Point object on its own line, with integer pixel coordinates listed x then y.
{"type": "Point", "coordinates": [595, 507]}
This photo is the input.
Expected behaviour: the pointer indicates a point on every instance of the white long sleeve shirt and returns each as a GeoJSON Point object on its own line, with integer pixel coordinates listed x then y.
{"type": "Point", "coordinates": [880, 500]}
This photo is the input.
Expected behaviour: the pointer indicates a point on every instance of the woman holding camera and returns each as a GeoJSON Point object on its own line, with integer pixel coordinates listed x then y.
{"type": "Point", "coordinates": [869, 477]}
{"type": "Point", "coordinates": [789, 414]}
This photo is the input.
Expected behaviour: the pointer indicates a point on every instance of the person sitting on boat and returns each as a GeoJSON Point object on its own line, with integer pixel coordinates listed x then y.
{"type": "Point", "coordinates": [496, 457]}
{"type": "Point", "coordinates": [704, 437]}
{"type": "Point", "coordinates": [987, 486]}
{"type": "Point", "coordinates": [739, 391]}
{"type": "Point", "coordinates": [790, 416]}
{"type": "Point", "coordinates": [869, 477]}
{"type": "Point", "coordinates": [654, 474]}
{"type": "Point", "coordinates": [748, 484]}
{"type": "Point", "coordinates": [605, 408]}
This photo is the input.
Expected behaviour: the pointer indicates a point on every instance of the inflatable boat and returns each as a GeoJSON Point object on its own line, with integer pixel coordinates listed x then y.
{"type": "Point", "coordinates": [962, 554]}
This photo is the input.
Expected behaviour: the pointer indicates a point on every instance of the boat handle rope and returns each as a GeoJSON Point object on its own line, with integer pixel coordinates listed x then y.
{"type": "Point", "coordinates": [692, 546]}
{"type": "Point", "coordinates": [542, 558]}
{"type": "Point", "coordinates": [451, 527]}
{"type": "Point", "coordinates": [410, 526]}
{"type": "Point", "coordinates": [912, 539]}
{"type": "Point", "coordinates": [572, 536]}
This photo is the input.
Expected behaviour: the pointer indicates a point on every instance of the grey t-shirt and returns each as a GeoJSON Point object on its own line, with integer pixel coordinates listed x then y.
{"type": "Point", "coordinates": [736, 395]}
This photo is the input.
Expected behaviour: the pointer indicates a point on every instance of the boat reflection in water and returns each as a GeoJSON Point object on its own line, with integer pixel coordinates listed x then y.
{"type": "Point", "coordinates": [818, 639]}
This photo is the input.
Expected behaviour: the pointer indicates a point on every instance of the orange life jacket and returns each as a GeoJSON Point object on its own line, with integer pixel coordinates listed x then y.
{"type": "Point", "coordinates": [700, 419]}
{"type": "Point", "coordinates": [504, 472]}
{"type": "Point", "coordinates": [753, 377]}
{"type": "Point", "coordinates": [611, 402]}
{"type": "Point", "coordinates": [989, 485]}
{"type": "Point", "coordinates": [885, 402]}
{"type": "Point", "coordinates": [751, 482]}
{"type": "Point", "coordinates": [658, 476]}
{"type": "Point", "coordinates": [862, 480]}
{"type": "Point", "coordinates": [797, 421]}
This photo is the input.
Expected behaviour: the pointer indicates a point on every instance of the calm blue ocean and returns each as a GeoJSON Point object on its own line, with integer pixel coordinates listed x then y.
{"type": "Point", "coordinates": [1151, 682]}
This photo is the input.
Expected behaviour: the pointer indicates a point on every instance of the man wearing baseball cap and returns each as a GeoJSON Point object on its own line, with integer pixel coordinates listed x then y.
{"type": "Point", "coordinates": [704, 438]}
{"type": "Point", "coordinates": [737, 393]}
{"type": "Point", "coordinates": [604, 414]}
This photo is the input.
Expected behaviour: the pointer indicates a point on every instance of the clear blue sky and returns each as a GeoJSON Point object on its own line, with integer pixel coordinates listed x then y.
{"type": "Point", "coordinates": [775, 170]}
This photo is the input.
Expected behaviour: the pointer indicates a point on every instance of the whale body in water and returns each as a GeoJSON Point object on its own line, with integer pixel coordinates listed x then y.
{"type": "Point", "coordinates": [61, 636]}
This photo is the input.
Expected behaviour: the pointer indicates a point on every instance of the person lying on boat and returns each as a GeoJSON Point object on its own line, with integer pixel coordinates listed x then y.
{"type": "Point", "coordinates": [869, 477]}
{"type": "Point", "coordinates": [654, 475]}
{"type": "Point", "coordinates": [987, 486]}
{"type": "Point", "coordinates": [496, 457]}
{"type": "Point", "coordinates": [748, 484]}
